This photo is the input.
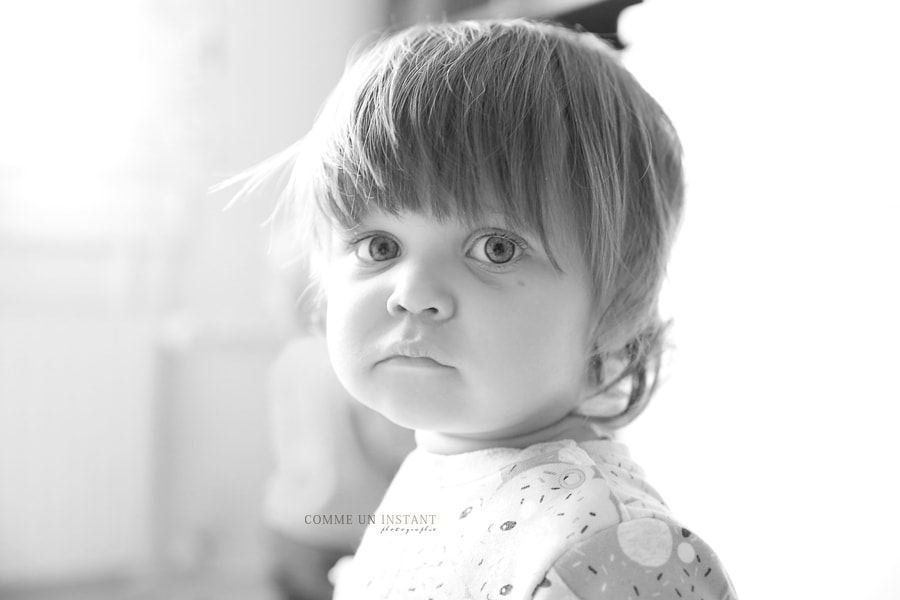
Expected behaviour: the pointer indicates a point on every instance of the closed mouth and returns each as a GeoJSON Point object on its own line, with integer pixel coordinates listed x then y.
{"type": "Point", "coordinates": [422, 362]}
{"type": "Point", "coordinates": [412, 353]}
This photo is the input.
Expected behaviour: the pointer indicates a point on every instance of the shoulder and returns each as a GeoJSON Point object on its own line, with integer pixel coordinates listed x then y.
{"type": "Point", "coordinates": [618, 537]}
{"type": "Point", "coordinates": [604, 463]}
{"type": "Point", "coordinates": [645, 557]}
{"type": "Point", "coordinates": [581, 479]}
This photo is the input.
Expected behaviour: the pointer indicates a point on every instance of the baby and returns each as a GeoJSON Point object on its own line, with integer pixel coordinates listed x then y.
{"type": "Point", "coordinates": [488, 208]}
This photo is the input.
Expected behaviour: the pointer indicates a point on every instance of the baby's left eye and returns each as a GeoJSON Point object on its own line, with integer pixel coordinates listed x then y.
{"type": "Point", "coordinates": [497, 248]}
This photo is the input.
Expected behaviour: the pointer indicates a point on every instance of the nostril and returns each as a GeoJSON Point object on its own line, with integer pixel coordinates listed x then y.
{"type": "Point", "coordinates": [429, 310]}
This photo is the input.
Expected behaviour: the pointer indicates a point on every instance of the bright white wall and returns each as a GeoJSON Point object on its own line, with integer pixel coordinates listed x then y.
{"type": "Point", "coordinates": [775, 436]}
{"type": "Point", "coordinates": [137, 320]}
{"type": "Point", "coordinates": [284, 57]}
{"type": "Point", "coordinates": [75, 445]}
{"type": "Point", "coordinates": [278, 60]}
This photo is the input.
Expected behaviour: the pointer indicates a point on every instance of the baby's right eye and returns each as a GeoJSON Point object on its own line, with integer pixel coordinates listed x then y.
{"type": "Point", "coordinates": [377, 247]}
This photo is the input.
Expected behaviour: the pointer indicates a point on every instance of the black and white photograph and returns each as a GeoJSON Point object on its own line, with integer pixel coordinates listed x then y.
{"type": "Point", "coordinates": [449, 300]}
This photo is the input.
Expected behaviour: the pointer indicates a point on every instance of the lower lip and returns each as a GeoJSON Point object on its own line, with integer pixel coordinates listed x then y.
{"type": "Point", "coordinates": [414, 363]}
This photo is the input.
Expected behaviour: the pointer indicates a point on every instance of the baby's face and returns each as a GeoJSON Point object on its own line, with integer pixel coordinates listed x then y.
{"type": "Point", "coordinates": [456, 329]}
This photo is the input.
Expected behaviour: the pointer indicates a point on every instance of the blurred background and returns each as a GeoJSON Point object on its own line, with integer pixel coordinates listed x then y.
{"type": "Point", "coordinates": [138, 320]}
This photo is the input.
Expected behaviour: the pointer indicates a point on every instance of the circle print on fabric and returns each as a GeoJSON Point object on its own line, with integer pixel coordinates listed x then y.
{"type": "Point", "coordinates": [572, 478]}
{"type": "Point", "coordinates": [686, 552]}
{"type": "Point", "coordinates": [647, 542]}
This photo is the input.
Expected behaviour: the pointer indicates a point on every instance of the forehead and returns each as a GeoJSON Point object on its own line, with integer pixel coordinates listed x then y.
{"type": "Point", "coordinates": [376, 216]}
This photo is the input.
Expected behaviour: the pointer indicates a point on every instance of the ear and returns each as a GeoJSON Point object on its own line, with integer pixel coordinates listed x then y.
{"type": "Point", "coordinates": [603, 396]}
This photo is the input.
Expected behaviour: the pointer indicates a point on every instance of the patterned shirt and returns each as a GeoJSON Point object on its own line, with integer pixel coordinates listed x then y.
{"type": "Point", "coordinates": [556, 520]}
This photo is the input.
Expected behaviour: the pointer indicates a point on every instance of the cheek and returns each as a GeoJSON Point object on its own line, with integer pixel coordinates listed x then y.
{"type": "Point", "coordinates": [351, 313]}
{"type": "Point", "coordinates": [540, 337]}
{"type": "Point", "coordinates": [350, 305]}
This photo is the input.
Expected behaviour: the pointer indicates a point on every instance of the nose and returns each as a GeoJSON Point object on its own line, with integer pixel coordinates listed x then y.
{"type": "Point", "coordinates": [423, 291]}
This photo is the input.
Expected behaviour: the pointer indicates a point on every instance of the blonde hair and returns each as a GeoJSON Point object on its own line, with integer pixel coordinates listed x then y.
{"type": "Point", "coordinates": [542, 120]}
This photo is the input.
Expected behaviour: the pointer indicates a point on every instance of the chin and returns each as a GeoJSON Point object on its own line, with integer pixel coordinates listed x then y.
{"type": "Point", "coordinates": [410, 411]}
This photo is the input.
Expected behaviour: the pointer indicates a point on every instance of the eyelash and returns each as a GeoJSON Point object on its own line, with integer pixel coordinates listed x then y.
{"type": "Point", "coordinates": [485, 235]}
{"type": "Point", "coordinates": [354, 245]}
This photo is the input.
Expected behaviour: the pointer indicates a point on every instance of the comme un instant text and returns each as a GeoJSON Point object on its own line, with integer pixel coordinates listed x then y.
{"type": "Point", "coordinates": [381, 519]}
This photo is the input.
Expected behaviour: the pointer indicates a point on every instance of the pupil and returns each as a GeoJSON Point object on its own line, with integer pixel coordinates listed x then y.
{"type": "Point", "coordinates": [499, 250]}
{"type": "Point", "coordinates": [382, 248]}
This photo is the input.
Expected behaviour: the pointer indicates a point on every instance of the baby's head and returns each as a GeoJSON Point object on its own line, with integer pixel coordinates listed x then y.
{"type": "Point", "coordinates": [530, 132]}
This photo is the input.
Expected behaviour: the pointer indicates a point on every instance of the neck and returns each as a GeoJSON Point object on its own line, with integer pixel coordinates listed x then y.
{"type": "Point", "coordinates": [570, 427]}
